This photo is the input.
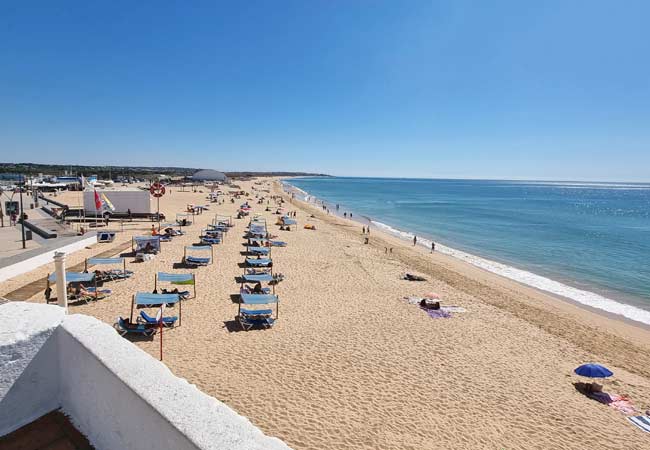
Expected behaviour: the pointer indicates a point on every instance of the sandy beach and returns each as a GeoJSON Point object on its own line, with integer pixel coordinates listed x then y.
{"type": "Point", "coordinates": [350, 364]}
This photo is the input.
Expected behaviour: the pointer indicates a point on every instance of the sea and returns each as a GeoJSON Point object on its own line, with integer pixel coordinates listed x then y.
{"type": "Point", "coordinates": [585, 241]}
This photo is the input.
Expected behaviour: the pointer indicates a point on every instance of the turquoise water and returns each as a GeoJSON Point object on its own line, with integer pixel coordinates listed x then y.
{"type": "Point", "coordinates": [586, 241]}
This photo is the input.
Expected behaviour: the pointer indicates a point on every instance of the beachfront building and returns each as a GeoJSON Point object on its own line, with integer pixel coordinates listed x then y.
{"type": "Point", "coordinates": [209, 175]}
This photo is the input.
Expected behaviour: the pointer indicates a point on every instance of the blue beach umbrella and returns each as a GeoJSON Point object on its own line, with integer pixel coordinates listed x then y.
{"type": "Point", "coordinates": [593, 371]}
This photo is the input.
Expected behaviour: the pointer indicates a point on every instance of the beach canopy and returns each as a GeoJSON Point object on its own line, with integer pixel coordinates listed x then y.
{"type": "Point", "coordinates": [258, 299]}
{"type": "Point", "coordinates": [147, 299]}
{"type": "Point", "coordinates": [593, 371]}
{"type": "Point", "coordinates": [258, 262]}
{"type": "Point", "coordinates": [257, 277]}
{"type": "Point", "coordinates": [141, 243]}
{"type": "Point", "coordinates": [176, 278]}
{"type": "Point", "coordinates": [73, 277]}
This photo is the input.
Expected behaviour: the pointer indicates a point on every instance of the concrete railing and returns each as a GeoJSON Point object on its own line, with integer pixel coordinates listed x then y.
{"type": "Point", "coordinates": [41, 259]}
{"type": "Point", "coordinates": [115, 393]}
{"type": "Point", "coordinates": [42, 232]}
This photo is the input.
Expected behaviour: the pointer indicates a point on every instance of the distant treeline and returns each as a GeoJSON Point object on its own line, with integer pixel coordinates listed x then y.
{"type": "Point", "coordinates": [104, 172]}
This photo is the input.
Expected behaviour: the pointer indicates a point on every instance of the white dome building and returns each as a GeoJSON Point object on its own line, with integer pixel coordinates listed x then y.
{"type": "Point", "coordinates": [209, 175]}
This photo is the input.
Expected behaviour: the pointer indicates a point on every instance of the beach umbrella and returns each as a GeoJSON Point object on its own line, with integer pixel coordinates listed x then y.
{"type": "Point", "coordinates": [432, 296]}
{"type": "Point", "coordinates": [593, 371]}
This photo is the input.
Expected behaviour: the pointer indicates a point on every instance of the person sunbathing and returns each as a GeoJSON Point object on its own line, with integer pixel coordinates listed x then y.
{"type": "Point", "coordinates": [258, 288]}
{"type": "Point", "coordinates": [424, 304]}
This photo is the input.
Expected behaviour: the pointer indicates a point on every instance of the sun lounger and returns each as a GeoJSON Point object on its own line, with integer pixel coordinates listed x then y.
{"type": "Point", "coordinates": [247, 322]}
{"type": "Point", "coordinates": [195, 260]}
{"type": "Point", "coordinates": [123, 326]}
{"type": "Point", "coordinates": [259, 250]}
{"type": "Point", "coordinates": [146, 319]}
{"type": "Point", "coordinates": [256, 313]}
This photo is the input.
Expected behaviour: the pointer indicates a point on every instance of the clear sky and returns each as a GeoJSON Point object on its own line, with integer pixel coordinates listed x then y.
{"type": "Point", "coordinates": [490, 89]}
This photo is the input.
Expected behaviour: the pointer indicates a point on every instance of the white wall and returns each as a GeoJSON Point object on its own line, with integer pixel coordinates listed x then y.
{"type": "Point", "coordinates": [116, 394]}
{"type": "Point", "coordinates": [44, 258]}
{"type": "Point", "coordinates": [29, 375]}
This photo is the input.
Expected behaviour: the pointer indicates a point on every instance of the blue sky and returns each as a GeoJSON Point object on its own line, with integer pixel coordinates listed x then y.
{"type": "Point", "coordinates": [502, 89]}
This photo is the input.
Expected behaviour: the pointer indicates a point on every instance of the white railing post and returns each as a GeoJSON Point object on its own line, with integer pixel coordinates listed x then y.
{"type": "Point", "coordinates": [61, 282]}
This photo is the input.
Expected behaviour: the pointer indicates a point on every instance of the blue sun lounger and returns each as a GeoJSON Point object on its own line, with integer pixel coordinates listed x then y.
{"type": "Point", "coordinates": [210, 240]}
{"type": "Point", "coordinates": [249, 318]}
{"type": "Point", "coordinates": [124, 327]}
{"type": "Point", "coordinates": [195, 260]}
{"type": "Point", "coordinates": [259, 250]}
{"type": "Point", "coordinates": [146, 319]}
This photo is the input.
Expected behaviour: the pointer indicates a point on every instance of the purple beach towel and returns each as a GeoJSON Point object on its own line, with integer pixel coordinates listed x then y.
{"type": "Point", "coordinates": [438, 314]}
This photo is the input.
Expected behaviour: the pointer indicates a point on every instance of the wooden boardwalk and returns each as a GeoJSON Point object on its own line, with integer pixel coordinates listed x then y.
{"type": "Point", "coordinates": [29, 290]}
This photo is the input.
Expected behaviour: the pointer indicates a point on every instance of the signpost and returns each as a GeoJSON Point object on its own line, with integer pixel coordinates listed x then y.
{"type": "Point", "coordinates": [157, 190]}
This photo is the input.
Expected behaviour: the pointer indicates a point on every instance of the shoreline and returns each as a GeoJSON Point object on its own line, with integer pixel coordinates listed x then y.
{"type": "Point", "coordinates": [614, 308]}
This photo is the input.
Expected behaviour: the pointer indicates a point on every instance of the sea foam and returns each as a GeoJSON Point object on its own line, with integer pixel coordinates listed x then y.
{"type": "Point", "coordinates": [583, 297]}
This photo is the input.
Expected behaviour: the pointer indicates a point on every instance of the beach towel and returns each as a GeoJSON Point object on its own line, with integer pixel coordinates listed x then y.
{"type": "Point", "coordinates": [437, 314]}
{"type": "Point", "coordinates": [642, 422]}
{"type": "Point", "coordinates": [622, 404]}
{"type": "Point", "coordinates": [454, 309]}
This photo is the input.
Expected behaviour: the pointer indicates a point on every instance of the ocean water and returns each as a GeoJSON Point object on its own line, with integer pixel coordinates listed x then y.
{"type": "Point", "coordinates": [589, 242]}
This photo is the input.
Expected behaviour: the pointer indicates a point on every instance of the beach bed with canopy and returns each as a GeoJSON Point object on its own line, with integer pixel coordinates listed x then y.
{"type": "Point", "coordinates": [149, 300]}
{"type": "Point", "coordinates": [249, 317]}
{"type": "Point", "coordinates": [113, 274]}
{"type": "Point", "coordinates": [178, 279]}
{"type": "Point", "coordinates": [195, 260]}
{"type": "Point", "coordinates": [145, 244]}
{"type": "Point", "coordinates": [92, 293]}
{"type": "Point", "coordinates": [222, 220]}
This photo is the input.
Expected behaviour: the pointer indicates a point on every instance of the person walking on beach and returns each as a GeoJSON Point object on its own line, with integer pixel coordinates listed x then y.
{"type": "Point", "coordinates": [345, 215]}
{"type": "Point", "coordinates": [433, 246]}
{"type": "Point", "coordinates": [415, 240]}
{"type": "Point", "coordinates": [363, 230]}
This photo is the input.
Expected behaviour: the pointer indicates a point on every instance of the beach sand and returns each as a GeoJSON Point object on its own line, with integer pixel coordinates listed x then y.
{"type": "Point", "coordinates": [351, 365]}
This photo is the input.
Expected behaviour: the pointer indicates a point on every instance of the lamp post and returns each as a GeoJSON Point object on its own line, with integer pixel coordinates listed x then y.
{"type": "Point", "coordinates": [22, 211]}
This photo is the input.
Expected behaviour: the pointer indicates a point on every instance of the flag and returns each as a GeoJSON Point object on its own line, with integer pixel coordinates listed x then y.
{"type": "Point", "coordinates": [107, 202]}
{"type": "Point", "coordinates": [98, 201]}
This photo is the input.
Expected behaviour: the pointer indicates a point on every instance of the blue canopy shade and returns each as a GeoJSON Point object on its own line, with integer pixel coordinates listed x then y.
{"type": "Point", "coordinates": [147, 298]}
{"type": "Point", "coordinates": [97, 261]}
{"type": "Point", "coordinates": [262, 250]}
{"type": "Point", "coordinates": [258, 299]}
{"type": "Point", "coordinates": [258, 262]}
{"type": "Point", "coordinates": [593, 371]}
{"type": "Point", "coordinates": [258, 277]}
{"type": "Point", "coordinates": [287, 221]}
{"type": "Point", "coordinates": [175, 277]}
{"type": "Point", "coordinates": [198, 247]}
{"type": "Point", "coordinates": [73, 277]}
